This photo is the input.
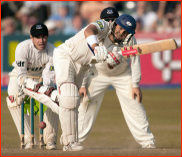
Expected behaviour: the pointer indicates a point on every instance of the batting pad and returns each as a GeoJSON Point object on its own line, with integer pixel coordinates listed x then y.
{"type": "Point", "coordinates": [16, 115]}
{"type": "Point", "coordinates": [69, 97]}
{"type": "Point", "coordinates": [69, 101]}
{"type": "Point", "coordinates": [52, 121]}
{"type": "Point", "coordinates": [69, 123]}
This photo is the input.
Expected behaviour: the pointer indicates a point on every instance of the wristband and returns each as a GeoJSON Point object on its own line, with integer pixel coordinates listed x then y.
{"type": "Point", "coordinates": [92, 40]}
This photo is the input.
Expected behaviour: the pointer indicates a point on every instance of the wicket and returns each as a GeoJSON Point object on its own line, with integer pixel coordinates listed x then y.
{"type": "Point", "coordinates": [41, 143]}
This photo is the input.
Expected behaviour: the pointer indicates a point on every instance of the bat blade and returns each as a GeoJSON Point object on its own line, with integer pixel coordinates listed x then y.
{"type": "Point", "coordinates": [146, 48]}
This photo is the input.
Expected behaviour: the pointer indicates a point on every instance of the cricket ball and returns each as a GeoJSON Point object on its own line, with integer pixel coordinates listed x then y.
{"type": "Point", "coordinates": [42, 125]}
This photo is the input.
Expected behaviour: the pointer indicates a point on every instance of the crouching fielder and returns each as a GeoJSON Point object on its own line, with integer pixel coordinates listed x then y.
{"type": "Point", "coordinates": [33, 58]}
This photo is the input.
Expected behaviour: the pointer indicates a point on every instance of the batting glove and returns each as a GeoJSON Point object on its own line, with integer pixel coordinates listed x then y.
{"type": "Point", "coordinates": [114, 58]}
{"type": "Point", "coordinates": [127, 39]}
{"type": "Point", "coordinates": [100, 53]}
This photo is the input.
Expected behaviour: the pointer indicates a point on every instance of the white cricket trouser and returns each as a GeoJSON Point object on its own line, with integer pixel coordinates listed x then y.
{"type": "Point", "coordinates": [68, 92]}
{"type": "Point", "coordinates": [133, 111]}
{"type": "Point", "coordinates": [50, 118]}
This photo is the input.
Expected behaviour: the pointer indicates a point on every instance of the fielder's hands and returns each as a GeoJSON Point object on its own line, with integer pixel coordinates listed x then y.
{"type": "Point", "coordinates": [100, 53]}
{"type": "Point", "coordinates": [20, 96]}
{"type": "Point", "coordinates": [114, 58]}
{"type": "Point", "coordinates": [136, 92]}
{"type": "Point", "coordinates": [82, 91]}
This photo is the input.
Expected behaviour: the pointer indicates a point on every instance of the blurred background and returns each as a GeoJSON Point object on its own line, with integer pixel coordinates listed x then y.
{"type": "Point", "coordinates": [156, 20]}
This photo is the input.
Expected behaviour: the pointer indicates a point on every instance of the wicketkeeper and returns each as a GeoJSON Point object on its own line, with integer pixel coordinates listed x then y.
{"type": "Point", "coordinates": [33, 58]}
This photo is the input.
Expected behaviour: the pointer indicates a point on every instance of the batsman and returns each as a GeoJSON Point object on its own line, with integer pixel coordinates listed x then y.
{"type": "Point", "coordinates": [33, 58]}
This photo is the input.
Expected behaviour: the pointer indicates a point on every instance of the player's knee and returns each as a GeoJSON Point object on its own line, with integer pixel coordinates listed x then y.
{"type": "Point", "coordinates": [69, 95]}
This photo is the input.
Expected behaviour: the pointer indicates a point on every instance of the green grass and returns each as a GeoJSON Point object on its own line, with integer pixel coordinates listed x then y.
{"type": "Point", "coordinates": [110, 134]}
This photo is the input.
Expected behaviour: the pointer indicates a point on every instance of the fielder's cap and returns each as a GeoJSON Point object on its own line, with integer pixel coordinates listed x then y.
{"type": "Point", "coordinates": [109, 12]}
{"type": "Point", "coordinates": [38, 29]}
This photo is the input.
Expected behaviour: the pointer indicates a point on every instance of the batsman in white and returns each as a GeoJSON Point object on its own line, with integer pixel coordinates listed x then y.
{"type": "Point", "coordinates": [33, 58]}
{"type": "Point", "coordinates": [123, 77]}
{"type": "Point", "coordinates": [71, 60]}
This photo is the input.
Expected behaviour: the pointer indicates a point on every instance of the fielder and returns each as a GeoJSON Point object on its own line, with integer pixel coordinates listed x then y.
{"type": "Point", "coordinates": [109, 14]}
{"type": "Point", "coordinates": [123, 77]}
{"type": "Point", "coordinates": [33, 57]}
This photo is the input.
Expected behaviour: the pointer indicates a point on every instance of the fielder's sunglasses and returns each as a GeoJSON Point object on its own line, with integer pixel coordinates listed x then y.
{"type": "Point", "coordinates": [109, 20]}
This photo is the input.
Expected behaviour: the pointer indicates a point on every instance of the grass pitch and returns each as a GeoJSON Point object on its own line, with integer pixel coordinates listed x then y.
{"type": "Point", "coordinates": [110, 135]}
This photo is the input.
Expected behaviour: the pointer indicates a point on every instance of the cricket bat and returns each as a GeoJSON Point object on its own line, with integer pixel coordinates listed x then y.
{"type": "Point", "coordinates": [146, 48]}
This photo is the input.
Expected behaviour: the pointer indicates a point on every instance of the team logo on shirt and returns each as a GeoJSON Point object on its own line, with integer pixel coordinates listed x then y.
{"type": "Point", "coordinates": [100, 24]}
{"type": "Point", "coordinates": [20, 63]}
{"type": "Point", "coordinates": [34, 68]}
{"type": "Point", "coordinates": [31, 68]}
{"type": "Point", "coordinates": [109, 12]}
{"type": "Point", "coordinates": [38, 27]}
{"type": "Point", "coordinates": [51, 68]}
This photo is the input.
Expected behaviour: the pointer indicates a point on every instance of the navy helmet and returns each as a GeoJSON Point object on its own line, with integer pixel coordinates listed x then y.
{"type": "Point", "coordinates": [127, 22]}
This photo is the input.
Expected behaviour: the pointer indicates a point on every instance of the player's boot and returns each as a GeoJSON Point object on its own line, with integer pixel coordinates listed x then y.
{"type": "Point", "coordinates": [150, 146]}
{"type": "Point", "coordinates": [79, 143]}
{"type": "Point", "coordinates": [51, 145]}
{"type": "Point", "coordinates": [27, 145]}
{"type": "Point", "coordinates": [72, 146]}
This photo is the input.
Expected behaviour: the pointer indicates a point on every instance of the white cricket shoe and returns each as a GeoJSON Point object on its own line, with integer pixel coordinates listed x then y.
{"type": "Point", "coordinates": [79, 143]}
{"type": "Point", "coordinates": [27, 145]}
{"type": "Point", "coordinates": [150, 146]}
{"type": "Point", "coordinates": [73, 146]}
{"type": "Point", "coordinates": [51, 145]}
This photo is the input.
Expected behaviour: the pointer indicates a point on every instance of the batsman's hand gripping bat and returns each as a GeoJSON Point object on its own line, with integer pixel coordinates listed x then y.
{"type": "Point", "coordinates": [146, 48]}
